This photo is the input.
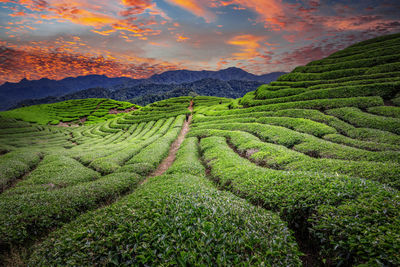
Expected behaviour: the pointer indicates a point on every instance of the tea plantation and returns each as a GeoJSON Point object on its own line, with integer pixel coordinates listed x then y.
{"type": "Point", "coordinates": [88, 111]}
{"type": "Point", "coordinates": [304, 171]}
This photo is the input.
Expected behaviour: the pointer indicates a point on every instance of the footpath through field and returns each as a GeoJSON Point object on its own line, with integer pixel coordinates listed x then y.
{"type": "Point", "coordinates": [167, 162]}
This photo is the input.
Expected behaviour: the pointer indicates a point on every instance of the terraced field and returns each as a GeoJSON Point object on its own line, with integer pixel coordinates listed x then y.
{"type": "Point", "coordinates": [304, 171]}
{"type": "Point", "coordinates": [71, 112]}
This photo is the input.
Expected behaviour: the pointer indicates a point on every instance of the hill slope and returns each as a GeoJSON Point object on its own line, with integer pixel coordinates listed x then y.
{"type": "Point", "coordinates": [185, 76]}
{"type": "Point", "coordinates": [316, 152]}
{"type": "Point", "coordinates": [91, 110]}
{"type": "Point", "coordinates": [13, 93]}
{"type": "Point", "coordinates": [147, 93]}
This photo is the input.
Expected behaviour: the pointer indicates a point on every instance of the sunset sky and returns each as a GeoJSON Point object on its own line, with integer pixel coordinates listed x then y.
{"type": "Point", "coordinates": [137, 38]}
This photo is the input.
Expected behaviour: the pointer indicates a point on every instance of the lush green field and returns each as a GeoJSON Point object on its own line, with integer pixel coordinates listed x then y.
{"type": "Point", "coordinates": [80, 111]}
{"type": "Point", "coordinates": [304, 171]}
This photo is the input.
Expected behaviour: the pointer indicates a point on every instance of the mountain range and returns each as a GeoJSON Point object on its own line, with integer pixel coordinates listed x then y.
{"type": "Point", "coordinates": [144, 94]}
{"type": "Point", "coordinates": [216, 83]}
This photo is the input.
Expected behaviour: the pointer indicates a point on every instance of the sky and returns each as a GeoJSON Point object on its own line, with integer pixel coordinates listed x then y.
{"type": "Point", "coordinates": [137, 38]}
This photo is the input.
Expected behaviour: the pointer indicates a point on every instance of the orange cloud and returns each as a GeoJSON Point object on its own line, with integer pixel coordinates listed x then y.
{"type": "Point", "coordinates": [36, 64]}
{"type": "Point", "coordinates": [354, 23]}
{"type": "Point", "coordinates": [196, 7]}
{"type": "Point", "coordinates": [271, 12]}
{"type": "Point", "coordinates": [101, 15]}
{"type": "Point", "coordinates": [105, 33]}
{"type": "Point", "coordinates": [18, 14]}
{"type": "Point", "coordinates": [181, 38]}
{"type": "Point", "coordinates": [249, 45]}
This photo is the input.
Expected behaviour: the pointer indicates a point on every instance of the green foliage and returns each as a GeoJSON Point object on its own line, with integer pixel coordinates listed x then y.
{"type": "Point", "coordinates": [111, 163]}
{"type": "Point", "coordinates": [173, 220]}
{"type": "Point", "coordinates": [388, 111]}
{"type": "Point", "coordinates": [362, 119]}
{"type": "Point", "coordinates": [95, 109]}
{"type": "Point", "coordinates": [188, 159]}
{"type": "Point", "coordinates": [24, 217]}
{"type": "Point", "coordinates": [357, 63]}
{"type": "Point", "coordinates": [304, 143]}
{"type": "Point", "coordinates": [385, 90]}
{"type": "Point", "coordinates": [264, 92]}
{"type": "Point", "coordinates": [297, 196]}
{"type": "Point", "coordinates": [359, 229]}
{"type": "Point", "coordinates": [334, 74]}
{"type": "Point", "coordinates": [54, 172]}
{"type": "Point", "coordinates": [16, 163]}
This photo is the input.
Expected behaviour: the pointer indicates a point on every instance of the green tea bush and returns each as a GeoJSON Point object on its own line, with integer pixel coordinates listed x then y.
{"type": "Point", "coordinates": [385, 90]}
{"type": "Point", "coordinates": [368, 145]}
{"type": "Point", "coordinates": [58, 172]}
{"type": "Point", "coordinates": [173, 220]}
{"type": "Point", "coordinates": [16, 163]}
{"type": "Point", "coordinates": [113, 162]}
{"type": "Point", "coordinates": [334, 74]}
{"type": "Point", "coordinates": [25, 217]}
{"type": "Point", "coordinates": [363, 119]}
{"type": "Point", "coordinates": [358, 63]}
{"type": "Point", "coordinates": [281, 158]}
{"type": "Point", "coordinates": [388, 111]}
{"type": "Point", "coordinates": [297, 196]}
{"type": "Point", "coordinates": [266, 93]}
{"type": "Point", "coordinates": [188, 159]}
{"type": "Point", "coordinates": [305, 143]}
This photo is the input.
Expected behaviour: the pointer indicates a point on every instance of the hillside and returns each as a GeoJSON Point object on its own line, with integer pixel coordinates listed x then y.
{"type": "Point", "coordinates": [186, 76]}
{"type": "Point", "coordinates": [304, 171]}
{"type": "Point", "coordinates": [144, 94]}
{"type": "Point", "coordinates": [12, 93]}
{"type": "Point", "coordinates": [82, 111]}
{"type": "Point", "coordinates": [44, 91]}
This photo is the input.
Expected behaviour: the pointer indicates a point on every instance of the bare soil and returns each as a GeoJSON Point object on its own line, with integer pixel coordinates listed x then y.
{"type": "Point", "coordinates": [388, 103]}
{"type": "Point", "coordinates": [117, 111]}
{"type": "Point", "coordinates": [167, 162]}
{"type": "Point", "coordinates": [63, 124]}
{"type": "Point", "coordinates": [74, 143]}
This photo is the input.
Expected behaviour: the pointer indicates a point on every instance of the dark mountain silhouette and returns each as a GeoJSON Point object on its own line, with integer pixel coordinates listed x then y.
{"type": "Point", "coordinates": [143, 94]}
{"type": "Point", "coordinates": [182, 76]}
{"type": "Point", "coordinates": [11, 94]}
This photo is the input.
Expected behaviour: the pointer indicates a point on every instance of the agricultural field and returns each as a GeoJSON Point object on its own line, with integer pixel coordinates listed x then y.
{"type": "Point", "coordinates": [304, 171]}
{"type": "Point", "coordinates": [71, 112]}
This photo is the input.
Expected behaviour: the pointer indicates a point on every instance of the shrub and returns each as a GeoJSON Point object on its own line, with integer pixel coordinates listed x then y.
{"type": "Point", "coordinates": [25, 217]}
{"type": "Point", "coordinates": [362, 119]}
{"type": "Point", "coordinates": [16, 163]}
{"type": "Point", "coordinates": [297, 196]}
{"type": "Point", "coordinates": [173, 220]}
{"type": "Point", "coordinates": [387, 111]}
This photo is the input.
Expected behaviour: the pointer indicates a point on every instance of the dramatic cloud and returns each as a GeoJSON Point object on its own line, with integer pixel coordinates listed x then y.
{"type": "Point", "coordinates": [101, 15]}
{"type": "Point", "coordinates": [249, 45]}
{"type": "Point", "coordinates": [16, 65]}
{"type": "Point", "coordinates": [196, 7]}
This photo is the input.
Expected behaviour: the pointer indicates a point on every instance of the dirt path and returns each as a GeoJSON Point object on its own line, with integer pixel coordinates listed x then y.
{"type": "Point", "coordinates": [117, 111]}
{"type": "Point", "coordinates": [72, 137]}
{"type": "Point", "coordinates": [167, 162]}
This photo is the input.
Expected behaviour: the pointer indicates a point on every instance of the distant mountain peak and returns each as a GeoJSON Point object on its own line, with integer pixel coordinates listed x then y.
{"type": "Point", "coordinates": [234, 68]}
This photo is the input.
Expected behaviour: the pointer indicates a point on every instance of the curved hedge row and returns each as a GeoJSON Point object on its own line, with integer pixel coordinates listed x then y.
{"type": "Point", "coordinates": [297, 197]}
